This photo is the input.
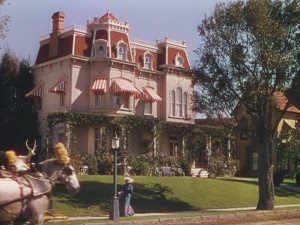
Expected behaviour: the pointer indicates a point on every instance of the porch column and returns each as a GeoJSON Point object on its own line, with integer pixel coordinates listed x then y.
{"type": "Point", "coordinates": [229, 146]}
{"type": "Point", "coordinates": [154, 141]}
{"type": "Point", "coordinates": [183, 147]}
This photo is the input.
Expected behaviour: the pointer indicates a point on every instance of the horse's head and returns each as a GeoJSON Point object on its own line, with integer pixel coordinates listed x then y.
{"type": "Point", "coordinates": [67, 175]}
{"type": "Point", "coordinates": [60, 172]}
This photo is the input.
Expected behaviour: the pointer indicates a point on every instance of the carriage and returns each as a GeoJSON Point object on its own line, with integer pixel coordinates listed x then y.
{"type": "Point", "coordinates": [26, 198]}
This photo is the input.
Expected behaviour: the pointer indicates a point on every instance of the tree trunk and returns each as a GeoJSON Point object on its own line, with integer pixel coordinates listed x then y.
{"type": "Point", "coordinates": [266, 188]}
{"type": "Point", "coordinates": [265, 181]}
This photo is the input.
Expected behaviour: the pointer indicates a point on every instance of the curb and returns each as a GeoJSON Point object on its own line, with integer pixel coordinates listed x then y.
{"type": "Point", "coordinates": [179, 219]}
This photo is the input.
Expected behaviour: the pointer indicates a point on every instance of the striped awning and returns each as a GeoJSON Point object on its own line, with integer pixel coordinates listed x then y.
{"type": "Point", "coordinates": [151, 95]}
{"type": "Point", "coordinates": [123, 86]}
{"type": "Point", "coordinates": [99, 86]}
{"type": "Point", "coordinates": [60, 87]}
{"type": "Point", "coordinates": [36, 92]}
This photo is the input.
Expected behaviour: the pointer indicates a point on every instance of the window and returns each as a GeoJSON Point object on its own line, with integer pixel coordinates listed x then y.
{"type": "Point", "coordinates": [178, 102]}
{"type": "Point", "coordinates": [254, 161]}
{"type": "Point", "coordinates": [173, 103]}
{"type": "Point", "coordinates": [121, 101]}
{"type": "Point", "coordinates": [148, 108]}
{"type": "Point", "coordinates": [243, 128]}
{"type": "Point", "coordinates": [38, 102]}
{"type": "Point", "coordinates": [99, 100]}
{"type": "Point", "coordinates": [179, 60]}
{"type": "Point", "coordinates": [100, 49]}
{"type": "Point", "coordinates": [122, 49]}
{"type": "Point", "coordinates": [99, 139]}
{"type": "Point", "coordinates": [174, 143]}
{"type": "Point", "coordinates": [62, 99]}
{"type": "Point", "coordinates": [61, 137]}
{"type": "Point", "coordinates": [101, 52]}
{"type": "Point", "coordinates": [184, 105]}
{"type": "Point", "coordinates": [148, 61]}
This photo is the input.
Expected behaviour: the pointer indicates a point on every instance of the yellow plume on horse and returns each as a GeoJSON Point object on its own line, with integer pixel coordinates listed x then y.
{"type": "Point", "coordinates": [11, 156]}
{"type": "Point", "coordinates": [61, 153]}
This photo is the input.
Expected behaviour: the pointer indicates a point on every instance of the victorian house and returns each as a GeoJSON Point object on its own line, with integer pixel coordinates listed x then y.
{"type": "Point", "coordinates": [99, 71]}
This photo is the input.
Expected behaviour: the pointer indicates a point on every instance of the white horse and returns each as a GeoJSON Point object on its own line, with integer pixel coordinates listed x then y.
{"type": "Point", "coordinates": [26, 198]}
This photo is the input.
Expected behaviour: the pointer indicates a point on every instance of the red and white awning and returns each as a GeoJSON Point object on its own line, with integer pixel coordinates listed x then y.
{"type": "Point", "coordinates": [99, 86]}
{"type": "Point", "coordinates": [151, 95]}
{"type": "Point", "coordinates": [123, 86]}
{"type": "Point", "coordinates": [60, 87]}
{"type": "Point", "coordinates": [36, 92]}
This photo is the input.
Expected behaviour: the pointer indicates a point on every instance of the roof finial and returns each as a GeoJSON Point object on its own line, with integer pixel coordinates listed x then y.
{"type": "Point", "coordinates": [108, 6]}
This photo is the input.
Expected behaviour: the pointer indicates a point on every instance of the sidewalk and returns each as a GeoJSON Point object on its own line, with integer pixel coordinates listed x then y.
{"type": "Point", "coordinates": [170, 219]}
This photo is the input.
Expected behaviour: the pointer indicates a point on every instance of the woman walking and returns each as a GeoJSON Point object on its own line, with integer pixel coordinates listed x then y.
{"type": "Point", "coordinates": [127, 189]}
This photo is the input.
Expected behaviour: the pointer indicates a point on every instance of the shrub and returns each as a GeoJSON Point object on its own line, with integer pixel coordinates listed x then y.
{"type": "Point", "coordinates": [219, 165]}
{"type": "Point", "coordinates": [277, 179]}
{"type": "Point", "coordinates": [141, 165]}
{"type": "Point", "coordinates": [105, 163]}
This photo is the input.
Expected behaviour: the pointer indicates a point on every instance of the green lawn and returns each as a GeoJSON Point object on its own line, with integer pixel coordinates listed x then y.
{"type": "Point", "coordinates": [162, 194]}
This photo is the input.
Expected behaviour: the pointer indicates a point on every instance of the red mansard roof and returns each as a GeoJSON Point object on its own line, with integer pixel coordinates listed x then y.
{"type": "Point", "coordinates": [165, 54]}
{"type": "Point", "coordinates": [172, 52]}
{"type": "Point", "coordinates": [64, 49]}
{"type": "Point", "coordinates": [106, 16]}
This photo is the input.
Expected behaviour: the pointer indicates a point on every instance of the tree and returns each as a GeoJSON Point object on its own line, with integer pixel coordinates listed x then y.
{"type": "Point", "coordinates": [250, 50]}
{"type": "Point", "coordinates": [288, 146]}
{"type": "Point", "coordinates": [4, 19]}
{"type": "Point", "coordinates": [18, 121]}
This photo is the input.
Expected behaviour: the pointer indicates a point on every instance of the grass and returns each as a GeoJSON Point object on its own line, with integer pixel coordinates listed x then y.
{"type": "Point", "coordinates": [165, 194]}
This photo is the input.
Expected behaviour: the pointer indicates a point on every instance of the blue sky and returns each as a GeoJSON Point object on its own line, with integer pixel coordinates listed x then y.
{"type": "Point", "coordinates": [149, 20]}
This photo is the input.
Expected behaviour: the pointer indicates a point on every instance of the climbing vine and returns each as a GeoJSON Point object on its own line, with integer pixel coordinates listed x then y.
{"type": "Point", "coordinates": [127, 123]}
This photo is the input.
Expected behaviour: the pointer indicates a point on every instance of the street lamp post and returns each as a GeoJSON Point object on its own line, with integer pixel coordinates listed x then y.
{"type": "Point", "coordinates": [114, 213]}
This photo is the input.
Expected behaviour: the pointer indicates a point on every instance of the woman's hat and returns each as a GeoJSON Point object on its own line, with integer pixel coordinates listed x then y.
{"type": "Point", "coordinates": [128, 180]}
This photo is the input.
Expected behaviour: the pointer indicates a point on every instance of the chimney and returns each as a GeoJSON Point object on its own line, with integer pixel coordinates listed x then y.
{"type": "Point", "coordinates": [58, 19]}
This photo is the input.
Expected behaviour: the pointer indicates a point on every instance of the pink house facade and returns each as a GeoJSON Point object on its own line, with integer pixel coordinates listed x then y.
{"type": "Point", "coordinates": [99, 69]}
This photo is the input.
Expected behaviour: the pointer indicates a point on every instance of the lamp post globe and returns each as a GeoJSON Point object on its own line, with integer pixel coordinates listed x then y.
{"type": "Point", "coordinates": [114, 213]}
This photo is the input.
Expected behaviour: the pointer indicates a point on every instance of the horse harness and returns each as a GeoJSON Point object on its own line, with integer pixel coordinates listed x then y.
{"type": "Point", "coordinates": [39, 186]}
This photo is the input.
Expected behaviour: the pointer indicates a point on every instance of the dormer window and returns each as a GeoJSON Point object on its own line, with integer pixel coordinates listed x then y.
{"type": "Point", "coordinates": [100, 49]}
{"type": "Point", "coordinates": [122, 50]}
{"type": "Point", "coordinates": [148, 59]}
{"type": "Point", "coordinates": [179, 60]}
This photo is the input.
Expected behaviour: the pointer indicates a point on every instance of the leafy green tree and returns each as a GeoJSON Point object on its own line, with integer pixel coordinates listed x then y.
{"type": "Point", "coordinates": [288, 146]}
{"type": "Point", "coordinates": [18, 121]}
{"type": "Point", "coordinates": [249, 50]}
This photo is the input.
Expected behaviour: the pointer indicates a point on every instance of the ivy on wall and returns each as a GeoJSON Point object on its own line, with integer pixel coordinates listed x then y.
{"type": "Point", "coordinates": [74, 119]}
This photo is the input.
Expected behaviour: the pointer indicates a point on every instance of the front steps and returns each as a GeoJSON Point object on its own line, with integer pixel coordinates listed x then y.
{"type": "Point", "coordinates": [199, 172]}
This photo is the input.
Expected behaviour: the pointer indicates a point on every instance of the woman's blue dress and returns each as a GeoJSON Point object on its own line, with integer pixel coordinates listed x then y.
{"type": "Point", "coordinates": [126, 209]}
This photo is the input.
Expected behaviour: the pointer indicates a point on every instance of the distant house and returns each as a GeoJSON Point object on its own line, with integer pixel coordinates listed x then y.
{"type": "Point", "coordinates": [100, 70]}
{"type": "Point", "coordinates": [247, 152]}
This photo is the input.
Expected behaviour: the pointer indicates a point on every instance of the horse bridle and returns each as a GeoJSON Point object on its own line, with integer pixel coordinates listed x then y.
{"type": "Point", "coordinates": [65, 172]}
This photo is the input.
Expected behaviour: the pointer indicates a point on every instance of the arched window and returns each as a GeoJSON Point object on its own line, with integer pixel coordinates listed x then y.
{"type": "Point", "coordinates": [148, 59]}
{"type": "Point", "coordinates": [184, 105]}
{"type": "Point", "coordinates": [178, 102]}
{"type": "Point", "coordinates": [122, 51]}
{"type": "Point", "coordinates": [172, 103]}
{"type": "Point", "coordinates": [178, 60]}
{"type": "Point", "coordinates": [100, 49]}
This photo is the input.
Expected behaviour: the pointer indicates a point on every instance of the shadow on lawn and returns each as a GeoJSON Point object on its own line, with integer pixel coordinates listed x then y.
{"type": "Point", "coordinates": [282, 191]}
{"type": "Point", "coordinates": [241, 180]}
{"type": "Point", "coordinates": [150, 198]}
